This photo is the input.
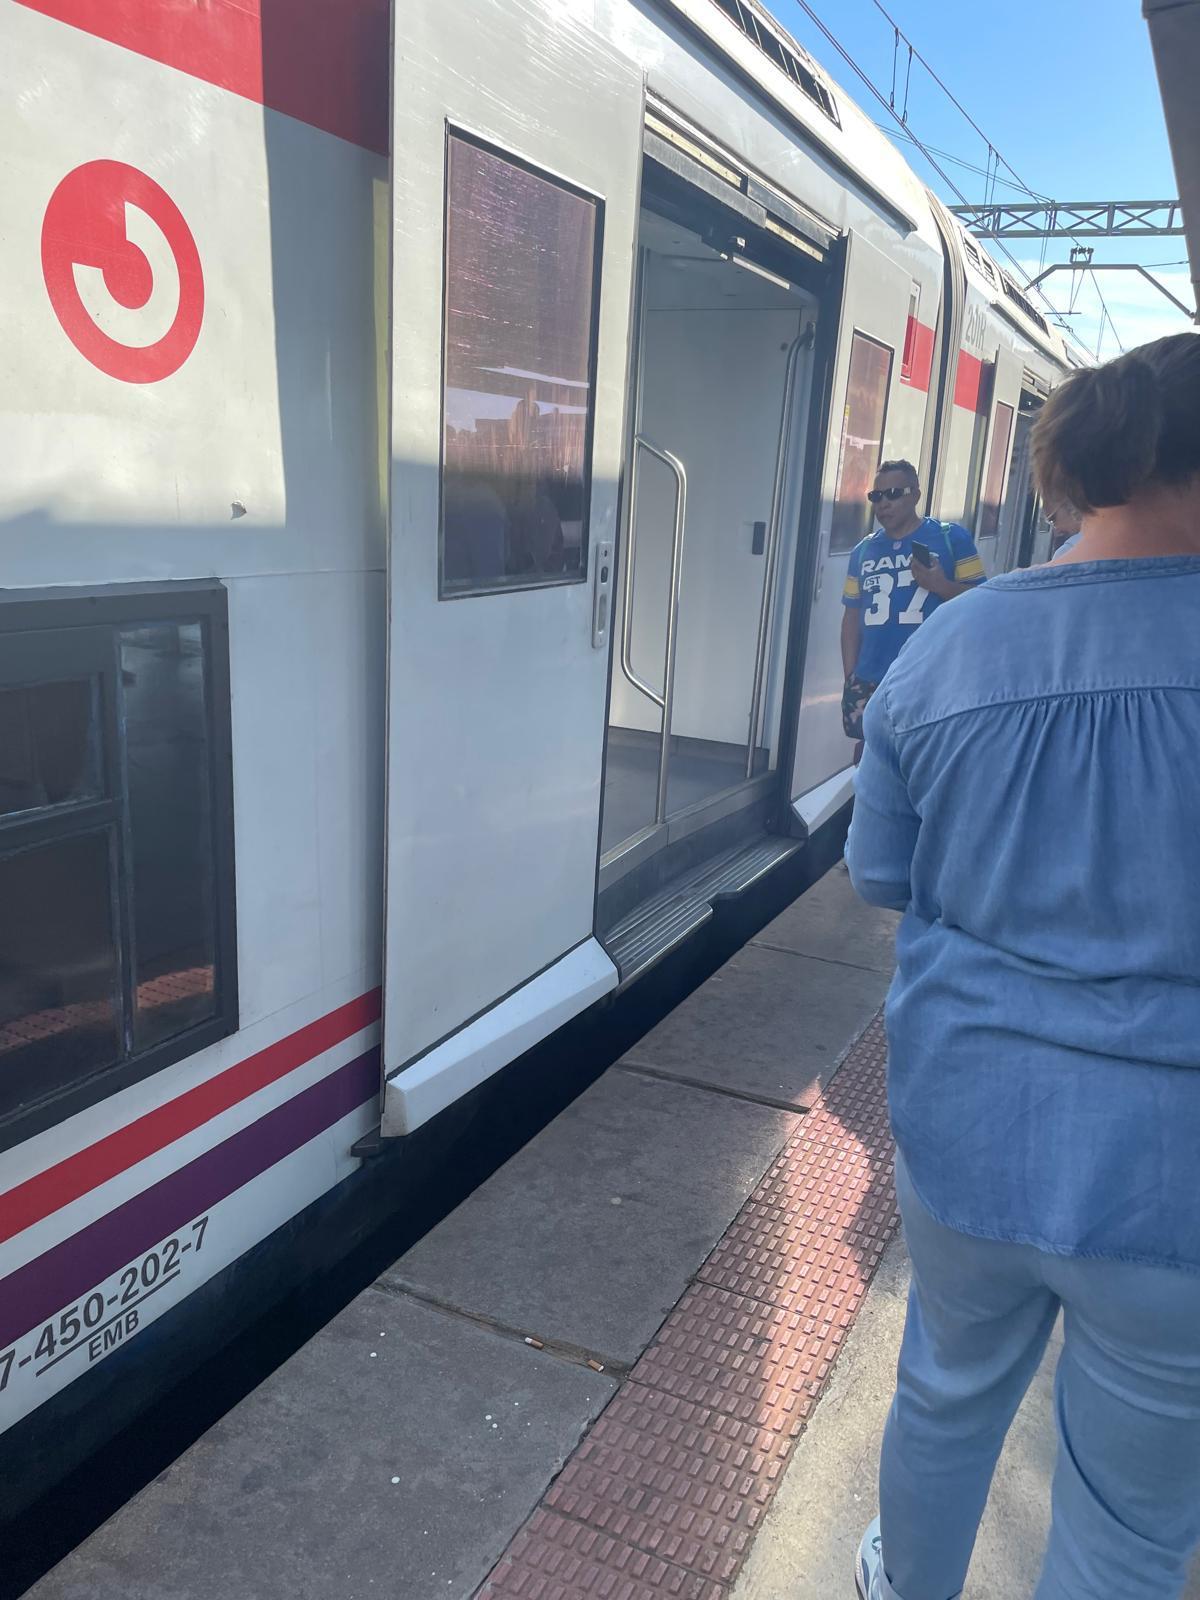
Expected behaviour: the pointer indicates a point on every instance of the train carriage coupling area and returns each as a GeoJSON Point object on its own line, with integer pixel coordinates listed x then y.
{"type": "Point", "coordinates": [650, 1356]}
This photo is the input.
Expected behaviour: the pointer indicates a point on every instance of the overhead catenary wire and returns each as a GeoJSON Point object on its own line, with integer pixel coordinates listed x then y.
{"type": "Point", "coordinates": [1108, 315]}
{"type": "Point", "coordinates": [867, 82]}
{"type": "Point", "coordinates": [952, 97]}
{"type": "Point", "coordinates": [967, 166]}
{"type": "Point", "coordinates": [995, 159]}
{"type": "Point", "coordinates": [1077, 278]}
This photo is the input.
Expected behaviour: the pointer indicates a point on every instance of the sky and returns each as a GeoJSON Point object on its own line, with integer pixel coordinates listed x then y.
{"type": "Point", "coordinates": [1064, 89]}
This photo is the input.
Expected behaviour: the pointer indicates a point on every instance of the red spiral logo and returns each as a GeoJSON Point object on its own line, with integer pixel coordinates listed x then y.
{"type": "Point", "coordinates": [123, 272]}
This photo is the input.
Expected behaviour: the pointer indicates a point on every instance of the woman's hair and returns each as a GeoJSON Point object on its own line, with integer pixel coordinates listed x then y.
{"type": "Point", "coordinates": [1114, 430]}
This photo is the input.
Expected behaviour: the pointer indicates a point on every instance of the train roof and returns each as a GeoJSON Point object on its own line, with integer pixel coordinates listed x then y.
{"type": "Point", "coordinates": [762, 51]}
{"type": "Point", "coordinates": [783, 73]}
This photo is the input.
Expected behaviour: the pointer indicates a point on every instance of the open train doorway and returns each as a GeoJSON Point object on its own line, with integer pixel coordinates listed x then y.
{"type": "Point", "coordinates": [1024, 532]}
{"type": "Point", "coordinates": [721, 381]}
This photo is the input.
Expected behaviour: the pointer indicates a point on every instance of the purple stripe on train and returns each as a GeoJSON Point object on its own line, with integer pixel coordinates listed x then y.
{"type": "Point", "coordinates": [67, 1271]}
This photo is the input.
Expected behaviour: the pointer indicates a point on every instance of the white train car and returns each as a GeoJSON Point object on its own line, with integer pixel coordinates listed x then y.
{"type": "Point", "coordinates": [424, 519]}
{"type": "Point", "coordinates": [1009, 360]}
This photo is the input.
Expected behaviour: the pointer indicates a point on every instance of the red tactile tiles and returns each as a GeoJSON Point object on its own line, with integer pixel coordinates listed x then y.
{"type": "Point", "coordinates": [666, 1492]}
{"type": "Point", "coordinates": [754, 1361]}
{"type": "Point", "coordinates": [819, 1221]}
{"type": "Point", "coordinates": [678, 1480]}
{"type": "Point", "coordinates": [554, 1558]}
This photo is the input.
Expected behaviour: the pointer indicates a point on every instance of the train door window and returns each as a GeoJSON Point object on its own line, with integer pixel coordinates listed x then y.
{"type": "Point", "coordinates": [115, 844]}
{"type": "Point", "coordinates": [979, 439]}
{"type": "Point", "coordinates": [522, 256]}
{"type": "Point", "coordinates": [861, 447]}
{"type": "Point", "coordinates": [988, 525]}
{"type": "Point", "coordinates": [912, 327]}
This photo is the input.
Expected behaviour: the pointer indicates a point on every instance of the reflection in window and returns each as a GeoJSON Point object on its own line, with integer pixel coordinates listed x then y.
{"type": "Point", "coordinates": [520, 286]}
{"type": "Point", "coordinates": [59, 1010]}
{"type": "Point", "coordinates": [989, 513]}
{"type": "Point", "coordinates": [48, 754]}
{"type": "Point", "coordinates": [861, 447]}
{"type": "Point", "coordinates": [170, 813]}
{"type": "Point", "coordinates": [116, 939]}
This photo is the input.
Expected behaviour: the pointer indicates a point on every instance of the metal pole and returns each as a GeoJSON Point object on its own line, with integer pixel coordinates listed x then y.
{"type": "Point", "coordinates": [664, 759]}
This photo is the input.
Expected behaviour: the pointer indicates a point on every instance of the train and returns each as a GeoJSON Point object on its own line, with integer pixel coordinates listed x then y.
{"type": "Point", "coordinates": [434, 435]}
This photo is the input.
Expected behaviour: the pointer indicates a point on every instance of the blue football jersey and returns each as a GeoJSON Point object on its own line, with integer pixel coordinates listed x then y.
{"type": "Point", "coordinates": [880, 585]}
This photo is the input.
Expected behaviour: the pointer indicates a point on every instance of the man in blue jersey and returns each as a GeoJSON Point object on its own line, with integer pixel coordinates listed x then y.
{"type": "Point", "coordinates": [897, 577]}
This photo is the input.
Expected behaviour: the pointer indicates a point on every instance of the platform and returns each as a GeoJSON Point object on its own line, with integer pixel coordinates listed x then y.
{"type": "Point", "coordinates": [644, 1359]}
{"type": "Point", "coordinates": [406, 1446]}
{"type": "Point", "coordinates": [828, 1491]}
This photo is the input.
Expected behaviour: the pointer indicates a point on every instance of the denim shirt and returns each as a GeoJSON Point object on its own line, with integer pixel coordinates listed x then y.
{"type": "Point", "coordinates": [1030, 798]}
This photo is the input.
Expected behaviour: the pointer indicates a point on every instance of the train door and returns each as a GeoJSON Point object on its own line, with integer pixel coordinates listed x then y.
{"type": "Point", "coordinates": [874, 317]}
{"type": "Point", "coordinates": [731, 278]}
{"type": "Point", "coordinates": [723, 352]}
{"type": "Point", "coordinates": [1002, 428]}
{"type": "Point", "coordinates": [516, 157]}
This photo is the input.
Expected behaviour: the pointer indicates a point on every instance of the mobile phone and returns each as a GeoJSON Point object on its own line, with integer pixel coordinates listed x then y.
{"type": "Point", "coordinates": [923, 553]}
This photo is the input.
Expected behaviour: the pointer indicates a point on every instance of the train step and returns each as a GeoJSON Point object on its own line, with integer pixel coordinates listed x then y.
{"type": "Point", "coordinates": [653, 929]}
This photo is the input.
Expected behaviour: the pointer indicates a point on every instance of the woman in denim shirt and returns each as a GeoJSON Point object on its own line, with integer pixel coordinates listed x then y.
{"type": "Point", "coordinates": [1030, 798]}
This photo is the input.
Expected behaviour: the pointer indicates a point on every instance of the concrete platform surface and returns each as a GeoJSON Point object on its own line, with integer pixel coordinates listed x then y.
{"type": "Point", "coordinates": [770, 1023]}
{"type": "Point", "coordinates": [806, 1547]}
{"type": "Point", "coordinates": [590, 1234]}
{"type": "Point", "coordinates": [831, 923]}
{"type": "Point", "coordinates": [415, 1447]}
{"type": "Point", "coordinates": [394, 1455]}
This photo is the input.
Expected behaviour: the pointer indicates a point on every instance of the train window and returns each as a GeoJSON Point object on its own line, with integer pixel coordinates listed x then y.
{"type": "Point", "coordinates": [988, 525]}
{"type": "Point", "coordinates": [60, 1011]}
{"type": "Point", "coordinates": [167, 761]}
{"type": "Point", "coordinates": [522, 258]}
{"type": "Point", "coordinates": [782, 50]}
{"type": "Point", "coordinates": [912, 328]}
{"type": "Point", "coordinates": [48, 753]}
{"type": "Point", "coordinates": [115, 843]}
{"type": "Point", "coordinates": [861, 448]}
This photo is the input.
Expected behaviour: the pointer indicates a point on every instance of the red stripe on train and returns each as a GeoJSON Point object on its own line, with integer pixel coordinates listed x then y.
{"type": "Point", "coordinates": [76, 1175]}
{"type": "Point", "coordinates": [917, 368]}
{"type": "Point", "coordinates": [973, 385]}
{"type": "Point", "coordinates": [324, 62]}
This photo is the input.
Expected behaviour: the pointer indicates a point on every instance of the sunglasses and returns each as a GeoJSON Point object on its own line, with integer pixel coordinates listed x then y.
{"type": "Point", "coordinates": [876, 495]}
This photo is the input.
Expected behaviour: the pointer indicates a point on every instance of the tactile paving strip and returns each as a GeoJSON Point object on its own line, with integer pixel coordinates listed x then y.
{"type": "Point", "coordinates": [679, 1480]}
{"type": "Point", "coordinates": [665, 1494]}
{"type": "Point", "coordinates": [554, 1558]}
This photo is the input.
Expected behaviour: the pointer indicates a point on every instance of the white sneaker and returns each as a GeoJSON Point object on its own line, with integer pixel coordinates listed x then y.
{"type": "Point", "coordinates": [868, 1569]}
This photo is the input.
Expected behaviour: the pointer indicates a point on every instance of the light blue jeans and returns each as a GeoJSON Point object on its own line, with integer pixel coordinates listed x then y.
{"type": "Point", "coordinates": [1126, 1494]}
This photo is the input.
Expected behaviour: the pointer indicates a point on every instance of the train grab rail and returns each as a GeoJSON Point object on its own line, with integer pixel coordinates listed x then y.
{"type": "Point", "coordinates": [664, 700]}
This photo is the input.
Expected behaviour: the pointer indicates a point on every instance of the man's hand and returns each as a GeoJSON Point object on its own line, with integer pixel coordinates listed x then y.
{"type": "Point", "coordinates": [934, 580]}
